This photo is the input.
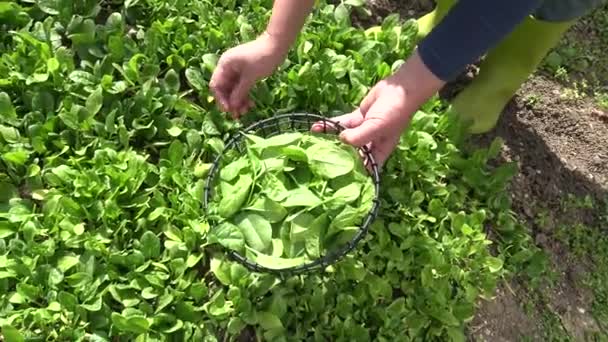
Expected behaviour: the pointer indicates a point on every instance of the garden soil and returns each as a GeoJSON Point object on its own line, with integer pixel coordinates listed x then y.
{"type": "Point", "coordinates": [559, 141]}
{"type": "Point", "coordinates": [560, 146]}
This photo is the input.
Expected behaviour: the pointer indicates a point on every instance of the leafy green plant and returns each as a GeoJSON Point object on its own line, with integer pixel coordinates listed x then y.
{"type": "Point", "coordinates": [291, 198]}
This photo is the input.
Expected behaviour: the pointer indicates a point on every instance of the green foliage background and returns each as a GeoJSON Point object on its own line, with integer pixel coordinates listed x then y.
{"type": "Point", "coordinates": [106, 128]}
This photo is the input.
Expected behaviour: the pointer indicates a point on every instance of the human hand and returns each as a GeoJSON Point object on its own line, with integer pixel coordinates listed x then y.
{"type": "Point", "coordinates": [378, 122]}
{"type": "Point", "coordinates": [240, 67]}
{"type": "Point", "coordinates": [386, 111]}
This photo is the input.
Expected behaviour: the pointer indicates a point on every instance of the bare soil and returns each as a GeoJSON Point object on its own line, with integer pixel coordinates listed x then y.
{"type": "Point", "coordinates": [560, 147]}
{"type": "Point", "coordinates": [382, 8]}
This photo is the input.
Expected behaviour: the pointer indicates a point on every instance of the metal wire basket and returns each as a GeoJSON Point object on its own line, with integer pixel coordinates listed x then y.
{"type": "Point", "coordinates": [301, 122]}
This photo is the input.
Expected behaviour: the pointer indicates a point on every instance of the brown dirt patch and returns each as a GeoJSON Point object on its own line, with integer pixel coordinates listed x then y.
{"type": "Point", "coordinates": [380, 9]}
{"type": "Point", "coordinates": [559, 144]}
{"type": "Point", "coordinates": [503, 318]}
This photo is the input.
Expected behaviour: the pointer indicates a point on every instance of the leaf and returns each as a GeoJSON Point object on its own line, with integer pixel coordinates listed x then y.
{"type": "Point", "coordinates": [345, 236]}
{"type": "Point", "coordinates": [176, 152]}
{"type": "Point", "coordinates": [256, 230]}
{"type": "Point", "coordinates": [273, 164]}
{"type": "Point", "coordinates": [172, 81]}
{"type": "Point", "coordinates": [148, 293]}
{"type": "Point", "coordinates": [210, 61]}
{"type": "Point", "coordinates": [425, 140]}
{"type": "Point", "coordinates": [16, 298]}
{"type": "Point", "coordinates": [347, 194]}
{"type": "Point", "coordinates": [494, 264]}
{"type": "Point", "coordinates": [274, 262]}
{"type": "Point", "coordinates": [67, 262]}
{"type": "Point", "coordinates": [195, 79]}
{"type": "Point", "coordinates": [232, 202]}
{"type": "Point", "coordinates": [51, 7]}
{"type": "Point", "coordinates": [7, 111]}
{"type": "Point", "coordinates": [95, 306]}
{"type": "Point", "coordinates": [54, 306]}
{"type": "Point", "coordinates": [120, 321]}
{"type": "Point", "coordinates": [227, 235]}
{"type": "Point", "coordinates": [150, 245]}
{"type": "Point", "coordinates": [82, 78]}
{"type": "Point", "coordinates": [269, 209]}
{"type": "Point", "coordinates": [279, 140]}
{"type": "Point", "coordinates": [5, 231]}
{"type": "Point", "coordinates": [495, 147]}
{"type": "Point", "coordinates": [78, 229]}
{"type": "Point", "coordinates": [175, 131]}
{"type": "Point", "coordinates": [11, 334]}
{"type": "Point", "coordinates": [347, 218]}
{"type": "Point", "coordinates": [274, 188]}
{"type": "Point", "coordinates": [9, 134]}
{"type": "Point", "coordinates": [300, 226]}
{"type": "Point", "coordinates": [164, 301]}
{"type": "Point", "coordinates": [444, 316]}
{"type": "Point", "coordinates": [301, 197]}
{"type": "Point", "coordinates": [235, 325]}
{"type": "Point", "coordinates": [317, 229]}
{"type": "Point", "coordinates": [94, 101]}
{"type": "Point", "coordinates": [193, 259]}
{"type": "Point", "coordinates": [134, 324]}
{"type": "Point", "coordinates": [368, 194]}
{"type": "Point", "coordinates": [67, 300]}
{"type": "Point", "coordinates": [355, 3]}
{"type": "Point", "coordinates": [173, 233]}
{"type": "Point", "coordinates": [277, 247]}
{"type": "Point", "coordinates": [202, 170]}
{"type": "Point", "coordinates": [17, 158]}
{"type": "Point", "coordinates": [329, 161]}
{"type": "Point", "coordinates": [198, 290]}
{"type": "Point", "coordinates": [341, 14]}
{"type": "Point", "coordinates": [7, 191]}
{"type": "Point", "coordinates": [232, 170]}
{"type": "Point", "coordinates": [456, 334]}
{"type": "Point", "coordinates": [269, 321]}
{"type": "Point", "coordinates": [436, 208]}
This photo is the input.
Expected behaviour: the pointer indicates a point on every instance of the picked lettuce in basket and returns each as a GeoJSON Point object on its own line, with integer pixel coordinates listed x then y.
{"type": "Point", "coordinates": [289, 199]}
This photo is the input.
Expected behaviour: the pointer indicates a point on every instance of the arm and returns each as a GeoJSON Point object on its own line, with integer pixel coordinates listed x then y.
{"type": "Point", "coordinates": [240, 67]}
{"type": "Point", "coordinates": [286, 21]}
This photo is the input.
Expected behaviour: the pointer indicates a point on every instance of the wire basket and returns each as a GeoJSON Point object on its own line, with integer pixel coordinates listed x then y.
{"type": "Point", "coordinates": [301, 122]}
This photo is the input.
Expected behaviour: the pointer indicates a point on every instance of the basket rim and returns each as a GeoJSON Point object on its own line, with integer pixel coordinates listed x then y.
{"type": "Point", "coordinates": [329, 258]}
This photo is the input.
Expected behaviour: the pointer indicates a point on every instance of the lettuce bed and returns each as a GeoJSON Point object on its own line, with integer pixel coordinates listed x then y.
{"type": "Point", "coordinates": [106, 135]}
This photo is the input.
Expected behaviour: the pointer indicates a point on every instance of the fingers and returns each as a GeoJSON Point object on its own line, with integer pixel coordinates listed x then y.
{"type": "Point", "coordinates": [354, 119]}
{"type": "Point", "coordinates": [368, 101]}
{"type": "Point", "coordinates": [383, 148]}
{"type": "Point", "coordinates": [372, 125]}
{"type": "Point", "coordinates": [239, 97]}
{"type": "Point", "coordinates": [230, 86]}
{"type": "Point", "coordinates": [378, 112]}
{"type": "Point", "coordinates": [242, 109]}
{"type": "Point", "coordinates": [221, 84]}
{"type": "Point", "coordinates": [380, 151]}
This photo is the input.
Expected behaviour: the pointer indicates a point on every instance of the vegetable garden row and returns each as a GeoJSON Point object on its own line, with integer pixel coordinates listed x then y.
{"type": "Point", "coordinates": [107, 135]}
